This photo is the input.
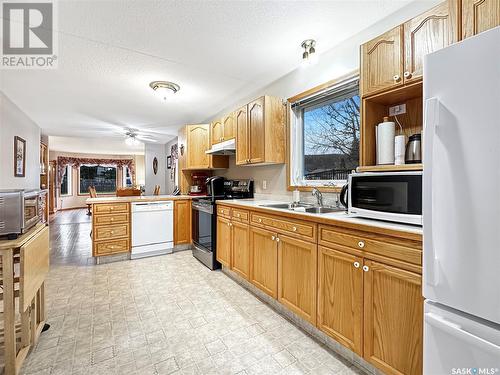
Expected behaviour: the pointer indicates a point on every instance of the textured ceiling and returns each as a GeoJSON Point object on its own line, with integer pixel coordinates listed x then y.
{"type": "Point", "coordinates": [217, 51]}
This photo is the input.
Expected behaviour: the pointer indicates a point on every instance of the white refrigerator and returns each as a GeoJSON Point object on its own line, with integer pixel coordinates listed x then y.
{"type": "Point", "coordinates": [461, 213]}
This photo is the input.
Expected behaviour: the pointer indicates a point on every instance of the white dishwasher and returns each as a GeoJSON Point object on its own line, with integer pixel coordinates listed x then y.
{"type": "Point", "coordinates": [152, 228]}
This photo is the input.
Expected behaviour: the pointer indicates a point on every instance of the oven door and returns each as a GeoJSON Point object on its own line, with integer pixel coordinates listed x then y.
{"type": "Point", "coordinates": [30, 211]}
{"type": "Point", "coordinates": [393, 196]}
{"type": "Point", "coordinates": [203, 225]}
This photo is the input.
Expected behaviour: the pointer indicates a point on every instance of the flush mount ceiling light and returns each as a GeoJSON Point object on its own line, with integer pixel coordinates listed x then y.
{"type": "Point", "coordinates": [309, 55]}
{"type": "Point", "coordinates": [164, 89]}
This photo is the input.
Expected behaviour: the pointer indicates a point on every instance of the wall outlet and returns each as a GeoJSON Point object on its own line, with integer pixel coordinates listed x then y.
{"type": "Point", "coordinates": [264, 184]}
{"type": "Point", "coordinates": [397, 110]}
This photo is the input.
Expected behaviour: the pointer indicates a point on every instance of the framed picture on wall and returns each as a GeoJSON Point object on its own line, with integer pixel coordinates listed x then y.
{"type": "Point", "coordinates": [169, 162]}
{"type": "Point", "coordinates": [19, 157]}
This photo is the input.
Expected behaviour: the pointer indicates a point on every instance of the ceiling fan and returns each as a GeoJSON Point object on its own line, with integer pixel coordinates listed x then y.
{"type": "Point", "coordinates": [135, 136]}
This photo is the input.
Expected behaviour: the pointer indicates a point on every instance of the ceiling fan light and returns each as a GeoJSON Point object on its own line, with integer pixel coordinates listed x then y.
{"type": "Point", "coordinates": [305, 55]}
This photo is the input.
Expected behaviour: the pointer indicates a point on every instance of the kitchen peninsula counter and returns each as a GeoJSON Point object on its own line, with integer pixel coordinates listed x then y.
{"type": "Point", "coordinates": [142, 198]}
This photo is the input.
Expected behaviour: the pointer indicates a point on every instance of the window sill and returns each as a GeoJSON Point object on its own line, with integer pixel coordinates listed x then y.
{"type": "Point", "coordinates": [323, 189]}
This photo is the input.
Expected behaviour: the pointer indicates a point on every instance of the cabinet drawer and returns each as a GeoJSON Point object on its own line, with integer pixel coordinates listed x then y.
{"type": "Point", "coordinates": [291, 227]}
{"type": "Point", "coordinates": [224, 211]}
{"type": "Point", "coordinates": [239, 215]}
{"type": "Point", "coordinates": [111, 247]}
{"type": "Point", "coordinates": [374, 244]}
{"type": "Point", "coordinates": [111, 232]}
{"type": "Point", "coordinates": [111, 208]}
{"type": "Point", "coordinates": [111, 219]}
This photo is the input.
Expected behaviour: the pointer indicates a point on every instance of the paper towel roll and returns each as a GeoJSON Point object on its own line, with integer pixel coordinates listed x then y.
{"type": "Point", "coordinates": [399, 149]}
{"type": "Point", "coordinates": [385, 142]}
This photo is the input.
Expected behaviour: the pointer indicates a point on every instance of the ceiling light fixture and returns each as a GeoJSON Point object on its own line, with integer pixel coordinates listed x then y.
{"type": "Point", "coordinates": [164, 89]}
{"type": "Point", "coordinates": [309, 55]}
{"type": "Point", "coordinates": [131, 139]}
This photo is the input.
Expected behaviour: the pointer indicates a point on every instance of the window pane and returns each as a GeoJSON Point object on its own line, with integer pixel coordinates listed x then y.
{"type": "Point", "coordinates": [102, 178]}
{"type": "Point", "coordinates": [64, 182]}
{"type": "Point", "coordinates": [127, 177]}
{"type": "Point", "coordinates": [331, 138]}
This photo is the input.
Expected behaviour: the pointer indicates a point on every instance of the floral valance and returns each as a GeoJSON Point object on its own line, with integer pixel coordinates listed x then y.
{"type": "Point", "coordinates": [63, 161]}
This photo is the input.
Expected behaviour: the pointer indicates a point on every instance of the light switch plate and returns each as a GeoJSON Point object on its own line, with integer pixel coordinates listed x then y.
{"type": "Point", "coordinates": [397, 110]}
{"type": "Point", "coordinates": [264, 184]}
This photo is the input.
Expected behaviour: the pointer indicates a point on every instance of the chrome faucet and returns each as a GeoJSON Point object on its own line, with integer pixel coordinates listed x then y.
{"type": "Point", "coordinates": [318, 195]}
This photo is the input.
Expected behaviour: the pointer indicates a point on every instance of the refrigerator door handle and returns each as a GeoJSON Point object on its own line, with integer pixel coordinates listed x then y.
{"type": "Point", "coordinates": [457, 331]}
{"type": "Point", "coordinates": [431, 275]}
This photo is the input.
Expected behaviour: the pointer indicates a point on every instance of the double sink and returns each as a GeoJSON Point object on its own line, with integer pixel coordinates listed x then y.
{"type": "Point", "coordinates": [302, 207]}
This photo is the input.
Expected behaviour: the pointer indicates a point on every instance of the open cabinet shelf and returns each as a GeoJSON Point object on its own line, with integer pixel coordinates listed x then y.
{"type": "Point", "coordinates": [391, 168]}
{"type": "Point", "coordinates": [373, 110]}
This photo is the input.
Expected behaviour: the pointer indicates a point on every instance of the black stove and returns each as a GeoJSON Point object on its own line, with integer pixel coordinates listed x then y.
{"type": "Point", "coordinates": [204, 216]}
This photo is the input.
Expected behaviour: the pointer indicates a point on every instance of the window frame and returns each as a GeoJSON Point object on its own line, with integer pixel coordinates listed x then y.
{"type": "Point", "coordinates": [98, 165]}
{"type": "Point", "coordinates": [69, 172]}
{"type": "Point", "coordinates": [292, 133]}
{"type": "Point", "coordinates": [124, 178]}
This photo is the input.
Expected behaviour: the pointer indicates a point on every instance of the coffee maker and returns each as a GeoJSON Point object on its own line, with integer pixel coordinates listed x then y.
{"type": "Point", "coordinates": [199, 185]}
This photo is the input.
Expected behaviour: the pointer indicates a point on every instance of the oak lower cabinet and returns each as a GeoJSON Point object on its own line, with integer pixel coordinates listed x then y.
{"type": "Point", "coordinates": [182, 222]}
{"type": "Point", "coordinates": [224, 237]}
{"type": "Point", "coordinates": [297, 272]}
{"type": "Point", "coordinates": [393, 318]}
{"type": "Point", "coordinates": [479, 16]}
{"type": "Point", "coordinates": [264, 260]}
{"type": "Point", "coordinates": [240, 246]}
{"type": "Point", "coordinates": [340, 297]}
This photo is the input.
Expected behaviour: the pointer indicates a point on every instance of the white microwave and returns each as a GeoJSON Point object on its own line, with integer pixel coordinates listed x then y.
{"type": "Point", "coordinates": [389, 196]}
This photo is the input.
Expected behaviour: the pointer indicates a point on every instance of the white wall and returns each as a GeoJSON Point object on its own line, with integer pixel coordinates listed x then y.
{"type": "Point", "coordinates": [334, 63]}
{"type": "Point", "coordinates": [169, 177]}
{"type": "Point", "coordinates": [158, 151]}
{"type": "Point", "coordinates": [14, 122]}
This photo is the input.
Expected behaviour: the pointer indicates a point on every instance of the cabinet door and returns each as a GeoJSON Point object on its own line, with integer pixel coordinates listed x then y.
{"type": "Point", "coordinates": [224, 236]}
{"type": "Point", "coordinates": [256, 131]}
{"type": "Point", "coordinates": [197, 144]}
{"type": "Point", "coordinates": [479, 16]}
{"type": "Point", "coordinates": [240, 257]}
{"type": "Point", "coordinates": [393, 319]}
{"type": "Point", "coordinates": [297, 276]}
{"type": "Point", "coordinates": [182, 222]}
{"type": "Point", "coordinates": [382, 62]}
{"type": "Point", "coordinates": [340, 297]}
{"type": "Point", "coordinates": [216, 132]}
{"type": "Point", "coordinates": [264, 261]}
{"type": "Point", "coordinates": [429, 32]}
{"type": "Point", "coordinates": [242, 144]}
{"type": "Point", "coordinates": [229, 128]}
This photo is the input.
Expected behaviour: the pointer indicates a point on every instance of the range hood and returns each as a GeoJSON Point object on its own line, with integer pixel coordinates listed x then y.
{"type": "Point", "coordinates": [223, 148]}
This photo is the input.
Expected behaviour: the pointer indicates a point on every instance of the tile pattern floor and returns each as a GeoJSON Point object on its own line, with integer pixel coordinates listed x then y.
{"type": "Point", "coordinates": [160, 315]}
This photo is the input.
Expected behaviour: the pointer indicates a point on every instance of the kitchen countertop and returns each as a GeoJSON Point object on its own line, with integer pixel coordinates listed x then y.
{"type": "Point", "coordinates": [142, 198]}
{"type": "Point", "coordinates": [351, 220]}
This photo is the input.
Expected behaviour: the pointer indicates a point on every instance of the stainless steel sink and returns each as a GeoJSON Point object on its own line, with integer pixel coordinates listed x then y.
{"type": "Point", "coordinates": [323, 210]}
{"type": "Point", "coordinates": [303, 207]}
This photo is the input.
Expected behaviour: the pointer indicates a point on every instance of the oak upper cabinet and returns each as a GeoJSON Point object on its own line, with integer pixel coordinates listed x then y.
{"type": "Point", "coordinates": [479, 16]}
{"type": "Point", "coordinates": [297, 272]}
{"type": "Point", "coordinates": [262, 135]}
{"type": "Point", "coordinates": [429, 32]}
{"type": "Point", "coordinates": [216, 132]}
{"type": "Point", "coordinates": [182, 222]}
{"type": "Point", "coordinates": [242, 144]}
{"type": "Point", "coordinates": [393, 319]}
{"type": "Point", "coordinates": [340, 297]}
{"type": "Point", "coordinates": [197, 144]}
{"type": "Point", "coordinates": [240, 255]}
{"type": "Point", "coordinates": [224, 236]}
{"type": "Point", "coordinates": [229, 126]}
{"type": "Point", "coordinates": [264, 261]}
{"type": "Point", "coordinates": [382, 62]}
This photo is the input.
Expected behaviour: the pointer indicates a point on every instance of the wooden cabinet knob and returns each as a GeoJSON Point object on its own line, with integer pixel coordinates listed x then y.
{"type": "Point", "coordinates": [396, 78]}
{"type": "Point", "coordinates": [407, 75]}
{"type": "Point", "coordinates": [366, 268]}
{"type": "Point", "coordinates": [294, 229]}
{"type": "Point", "coordinates": [237, 215]}
{"type": "Point", "coordinates": [361, 244]}
{"type": "Point", "coordinates": [356, 264]}
{"type": "Point", "coordinates": [277, 239]}
{"type": "Point", "coordinates": [112, 232]}
{"type": "Point", "coordinates": [273, 238]}
{"type": "Point", "coordinates": [260, 220]}
{"type": "Point", "coordinates": [112, 219]}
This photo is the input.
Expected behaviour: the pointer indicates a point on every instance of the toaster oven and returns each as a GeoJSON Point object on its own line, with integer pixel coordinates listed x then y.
{"type": "Point", "coordinates": [18, 211]}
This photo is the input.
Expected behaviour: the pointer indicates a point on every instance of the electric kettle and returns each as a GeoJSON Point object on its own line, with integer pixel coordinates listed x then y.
{"type": "Point", "coordinates": [413, 153]}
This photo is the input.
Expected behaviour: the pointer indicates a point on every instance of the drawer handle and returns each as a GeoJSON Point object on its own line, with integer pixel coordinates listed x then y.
{"type": "Point", "coordinates": [237, 215]}
{"type": "Point", "coordinates": [277, 239]}
{"type": "Point", "coordinates": [366, 268]}
{"type": "Point", "coordinates": [260, 220]}
{"type": "Point", "coordinates": [361, 244]}
{"type": "Point", "coordinates": [396, 78]}
{"type": "Point", "coordinates": [273, 238]}
{"type": "Point", "coordinates": [112, 232]}
{"type": "Point", "coordinates": [112, 219]}
{"type": "Point", "coordinates": [294, 229]}
{"type": "Point", "coordinates": [356, 264]}
{"type": "Point", "coordinates": [407, 75]}
{"type": "Point", "coordinates": [111, 208]}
